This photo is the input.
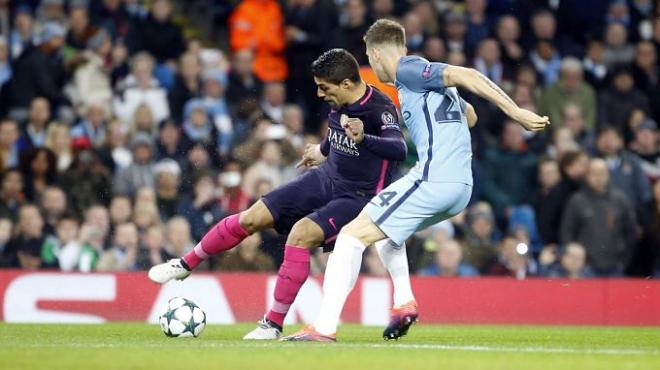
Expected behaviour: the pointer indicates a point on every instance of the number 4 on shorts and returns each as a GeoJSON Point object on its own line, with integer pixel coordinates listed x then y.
{"type": "Point", "coordinates": [386, 197]}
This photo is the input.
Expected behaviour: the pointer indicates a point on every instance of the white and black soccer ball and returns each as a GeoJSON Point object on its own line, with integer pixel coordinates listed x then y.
{"type": "Point", "coordinates": [181, 317]}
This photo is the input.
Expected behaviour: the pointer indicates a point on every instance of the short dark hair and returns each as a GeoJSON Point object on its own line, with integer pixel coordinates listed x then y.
{"type": "Point", "coordinates": [569, 158]}
{"type": "Point", "coordinates": [335, 66]}
{"type": "Point", "coordinates": [385, 31]}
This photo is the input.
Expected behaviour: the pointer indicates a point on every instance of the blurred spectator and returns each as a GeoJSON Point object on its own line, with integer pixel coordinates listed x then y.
{"type": "Point", "coordinates": [448, 262]}
{"type": "Point", "coordinates": [27, 247]}
{"type": "Point", "coordinates": [258, 25]}
{"type": "Point", "coordinates": [140, 87]}
{"type": "Point", "coordinates": [11, 192]}
{"type": "Point", "coordinates": [354, 24]}
{"type": "Point", "coordinates": [508, 35]}
{"type": "Point", "coordinates": [455, 30]}
{"type": "Point", "coordinates": [488, 61]}
{"type": "Point", "coordinates": [601, 219]}
{"type": "Point", "coordinates": [569, 89]}
{"type": "Point", "coordinates": [548, 177]}
{"type": "Point", "coordinates": [273, 100]}
{"type": "Point", "coordinates": [145, 214]}
{"type": "Point", "coordinates": [91, 78]}
{"type": "Point", "coordinates": [79, 26]}
{"type": "Point", "coordinates": [595, 70]}
{"type": "Point", "coordinates": [53, 202]}
{"type": "Point", "coordinates": [38, 71]}
{"type": "Point", "coordinates": [215, 85]}
{"type": "Point", "coordinates": [647, 147]}
{"type": "Point", "coordinates": [512, 259]}
{"type": "Point", "coordinates": [617, 49]}
{"type": "Point", "coordinates": [513, 182]}
{"type": "Point", "coordinates": [187, 84]}
{"type": "Point", "coordinates": [234, 198]}
{"type": "Point", "coordinates": [479, 25]}
{"type": "Point", "coordinates": [58, 141]}
{"type": "Point", "coordinates": [247, 257]}
{"type": "Point", "coordinates": [34, 129]}
{"type": "Point", "coordinates": [626, 173]}
{"type": "Point", "coordinates": [434, 49]}
{"type": "Point", "coordinates": [646, 70]}
{"type": "Point", "coordinates": [167, 179]}
{"type": "Point", "coordinates": [152, 251]}
{"type": "Point", "coordinates": [649, 248]}
{"type": "Point", "coordinates": [202, 209]}
{"type": "Point", "coordinates": [97, 185]}
{"type": "Point", "coordinates": [115, 153]}
{"type": "Point", "coordinates": [113, 16]}
{"type": "Point", "coordinates": [122, 256]}
{"type": "Point", "coordinates": [479, 249]}
{"type": "Point", "coordinates": [244, 86]}
{"type": "Point", "coordinates": [39, 168]}
{"type": "Point", "coordinates": [562, 141]}
{"type": "Point", "coordinates": [141, 171]}
{"type": "Point", "coordinates": [157, 34]}
{"type": "Point", "coordinates": [6, 228]}
{"type": "Point", "coordinates": [546, 61]}
{"type": "Point", "coordinates": [412, 23]}
{"type": "Point", "coordinates": [620, 99]}
{"type": "Point", "coordinates": [382, 9]}
{"type": "Point", "coordinates": [268, 167]}
{"type": "Point", "coordinates": [573, 119]}
{"type": "Point", "coordinates": [178, 239]}
{"type": "Point", "coordinates": [91, 130]}
{"type": "Point", "coordinates": [51, 11]}
{"type": "Point", "coordinates": [571, 263]}
{"type": "Point", "coordinates": [21, 35]}
{"type": "Point", "coordinates": [550, 207]}
{"type": "Point", "coordinates": [5, 62]}
{"type": "Point", "coordinates": [121, 210]}
{"type": "Point", "coordinates": [9, 143]}
{"type": "Point", "coordinates": [65, 241]}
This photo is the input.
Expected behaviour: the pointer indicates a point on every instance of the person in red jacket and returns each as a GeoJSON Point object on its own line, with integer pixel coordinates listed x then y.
{"type": "Point", "coordinates": [259, 25]}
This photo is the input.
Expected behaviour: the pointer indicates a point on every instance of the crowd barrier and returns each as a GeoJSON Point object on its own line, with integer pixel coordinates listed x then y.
{"type": "Point", "coordinates": [234, 297]}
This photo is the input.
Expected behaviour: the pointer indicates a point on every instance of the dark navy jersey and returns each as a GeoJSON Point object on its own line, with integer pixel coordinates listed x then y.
{"type": "Point", "coordinates": [368, 166]}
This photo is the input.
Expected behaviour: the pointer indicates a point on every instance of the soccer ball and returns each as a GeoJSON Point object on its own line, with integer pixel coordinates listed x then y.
{"type": "Point", "coordinates": [181, 317]}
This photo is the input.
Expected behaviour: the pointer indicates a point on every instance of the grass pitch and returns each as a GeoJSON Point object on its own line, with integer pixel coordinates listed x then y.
{"type": "Point", "coordinates": [140, 346]}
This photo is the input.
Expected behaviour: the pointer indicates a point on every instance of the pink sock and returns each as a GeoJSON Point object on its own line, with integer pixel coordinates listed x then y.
{"type": "Point", "coordinates": [290, 278]}
{"type": "Point", "coordinates": [225, 235]}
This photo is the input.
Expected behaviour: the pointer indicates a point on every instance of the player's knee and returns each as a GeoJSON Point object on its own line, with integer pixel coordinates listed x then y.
{"type": "Point", "coordinates": [256, 218]}
{"type": "Point", "coordinates": [305, 233]}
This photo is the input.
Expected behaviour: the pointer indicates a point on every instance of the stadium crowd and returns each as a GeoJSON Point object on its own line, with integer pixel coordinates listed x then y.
{"type": "Point", "coordinates": [122, 140]}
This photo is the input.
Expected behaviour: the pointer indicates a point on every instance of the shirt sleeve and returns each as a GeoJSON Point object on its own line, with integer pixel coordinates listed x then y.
{"type": "Point", "coordinates": [420, 75]}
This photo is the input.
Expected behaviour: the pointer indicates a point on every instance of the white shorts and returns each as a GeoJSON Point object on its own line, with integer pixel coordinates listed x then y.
{"type": "Point", "coordinates": [410, 204]}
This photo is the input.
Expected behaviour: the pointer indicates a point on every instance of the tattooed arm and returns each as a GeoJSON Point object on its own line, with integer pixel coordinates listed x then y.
{"type": "Point", "coordinates": [477, 83]}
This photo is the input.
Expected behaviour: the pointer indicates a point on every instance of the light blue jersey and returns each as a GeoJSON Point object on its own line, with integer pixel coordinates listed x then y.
{"type": "Point", "coordinates": [435, 117]}
{"type": "Point", "coordinates": [440, 185]}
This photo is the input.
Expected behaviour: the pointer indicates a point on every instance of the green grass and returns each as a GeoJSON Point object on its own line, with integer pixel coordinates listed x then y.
{"type": "Point", "coordinates": [140, 346]}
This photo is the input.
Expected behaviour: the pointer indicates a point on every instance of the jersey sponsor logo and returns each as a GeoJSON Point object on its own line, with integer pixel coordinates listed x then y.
{"type": "Point", "coordinates": [426, 73]}
{"type": "Point", "coordinates": [389, 121]}
{"type": "Point", "coordinates": [340, 142]}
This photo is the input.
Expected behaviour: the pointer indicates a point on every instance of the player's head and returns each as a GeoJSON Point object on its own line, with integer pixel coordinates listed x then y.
{"type": "Point", "coordinates": [337, 74]}
{"type": "Point", "coordinates": [386, 43]}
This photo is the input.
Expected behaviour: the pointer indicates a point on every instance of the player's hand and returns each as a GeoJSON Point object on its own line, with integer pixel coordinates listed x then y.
{"type": "Point", "coordinates": [530, 120]}
{"type": "Point", "coordinates": [354, 128]}
{"type": "Point", "coordinates": [312, 156]}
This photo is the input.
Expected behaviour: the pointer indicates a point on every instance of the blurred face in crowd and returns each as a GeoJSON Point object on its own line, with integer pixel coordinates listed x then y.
{"type": "Point", "coordinates": [205, 186]}
{"type": "Point", "coordinates": [96, 115]}
{"type": "Point", "coordinates": [178, 234]}
{"type": "Point", "coordinates": [573, 119]}
{"type": "Point", "coordinates": [5, 230]}
{"type": "Point", "coordinates": [571, 79]}
{"type": "Point", "coordinates": [646, 140]}
{"type": "Point", "coordinates": [117, 135]}
{"type": "Point", "coordinates": [39, 112]}
{"type": "Point", "coordinates": [142, 69]}
{"type": "Point", "coordinates": [275, 93]}
{"type": "Point", "coordinates": [512, 137]}
{"type": "Point", "coordinates": [413, 24]}
{"type": "Point", "coordinates": [167, 182]}
{"type": "Point", "coordinates": [142, 153]}
{"type": "Point", "coordinates": [578, 169]}
{"type": "Point", "coordinates": [78, 19]}
{"type": "Point", "coordinates": [434, 49]}
{"type": "Point", "coordinates": [382, 7]}
{"type": "Point", "coordinates": [190, 66]}
{"type": "Point", "coordinates": [111, 4]}
{"type": "Point", "coordinates": [549, 174]}
{"type": "Point", "coordinates": [126, 236]}
{"type": "Point", "coordinates": [145, 215]}
{"type": "Point", "coordinates": [98, 217]}
{"type": "Point", "coordinates": [161, 10]}
{"type": "Point", "coordinates": [598, 176]}
{"type": "Point", "coordinates": [145, 195]}
{"type": "Point", "coordinates": [544, 26]}
{"type": "Point", "coordinates": [456, 29]}
{"type": "Point", "coordinates": [144, 118]}
{"type": "Point", "coordinates": [355, 10]}
{"type": "Point", "coordinates": [271, 153]}
{"type": "Point", "coordinates": [23, 23]}
{"type": "Point", "coordinates": [60, 139]}
{"type": "Point", "coordinates": [120, 210]}
{"type": "Point", "coordinates": [508, 29]}
{"type": "Point", "coordinates": [67, 230]}
{"type": "Point", "coordinates": [154, 238]}
{"type": "Point", "coordinates": [595, 50]}
{"type": "Point", "coordinates": [609, 143]}
{"type": "Point", "coordinates": [475, 6]}
{"type": "Point", "coordinates": [574, 259]}
{"type": "Point", "coordinates": [213, 88]}
{"type": "Point", "coordinates": [616, 35]}
{"type": "Point", "coordinates": [482, 228]}
{"type": "Point", "coordinates": [293, 119]}
{"type": "Point", "coordinates": [8, 133]}
{"type": "Point", "coordinates": [198, 157]}
{"type": "Point", "coordinates": [509, 252]}
{"type": "Point", "coordinates": [262, 187]}
{"type": "Point", "coordinates": [30, 222]}
{"type": "Point", "coordinates": [448, 257]}
{"type": "Point", "coordinates": [489, 51]}
{"type": "Point", "coordinates": [53, 201]}
{"type": "Point", "coordinates": [526, 76]}
{"type": "Point", "coordinates": [12, 185]}
{"type": "Point", "coordinates": [40, 164]}
{"type": "Point", "coordinates": [624, 82]}
{"type": "Point", "coordinates": [4, 52]}
{"type": "Point", "coordinates": [242, 62]}
{"type": "Point", "coordinates": [198, 117]}
{"type": "Point", "coordinates": [646, 56]}
{"type": "Point", "coordinates": [563, 141]}
{"type": "Point", "coordinates": [169, 135]}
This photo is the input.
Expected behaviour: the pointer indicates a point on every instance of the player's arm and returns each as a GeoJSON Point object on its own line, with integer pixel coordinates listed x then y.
{"type": "Point", "coordinates": [389, 145]}
{"type": "Point", "coordinates": [314, 154]}
{"type": "Point", "coordinates": [474, 81]}
{"type": "Point", "coordinates": [470, 114]}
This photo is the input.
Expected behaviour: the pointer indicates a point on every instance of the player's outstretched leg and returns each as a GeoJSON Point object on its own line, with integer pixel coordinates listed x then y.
{"type": "Point", "coordinates": [404, 313]}
{"type": "Point", "coordinates": [340, 276]}
{"type": "Point", "coordinates": [304, 235]}
{"type": "Point", "coordinates": [225, 235]}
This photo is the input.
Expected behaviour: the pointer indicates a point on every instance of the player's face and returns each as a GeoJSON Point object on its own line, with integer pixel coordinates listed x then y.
{"type": "Point", "coordinates": [329, 92]}
{"type": "Point", "coordinates": [376, 64]}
